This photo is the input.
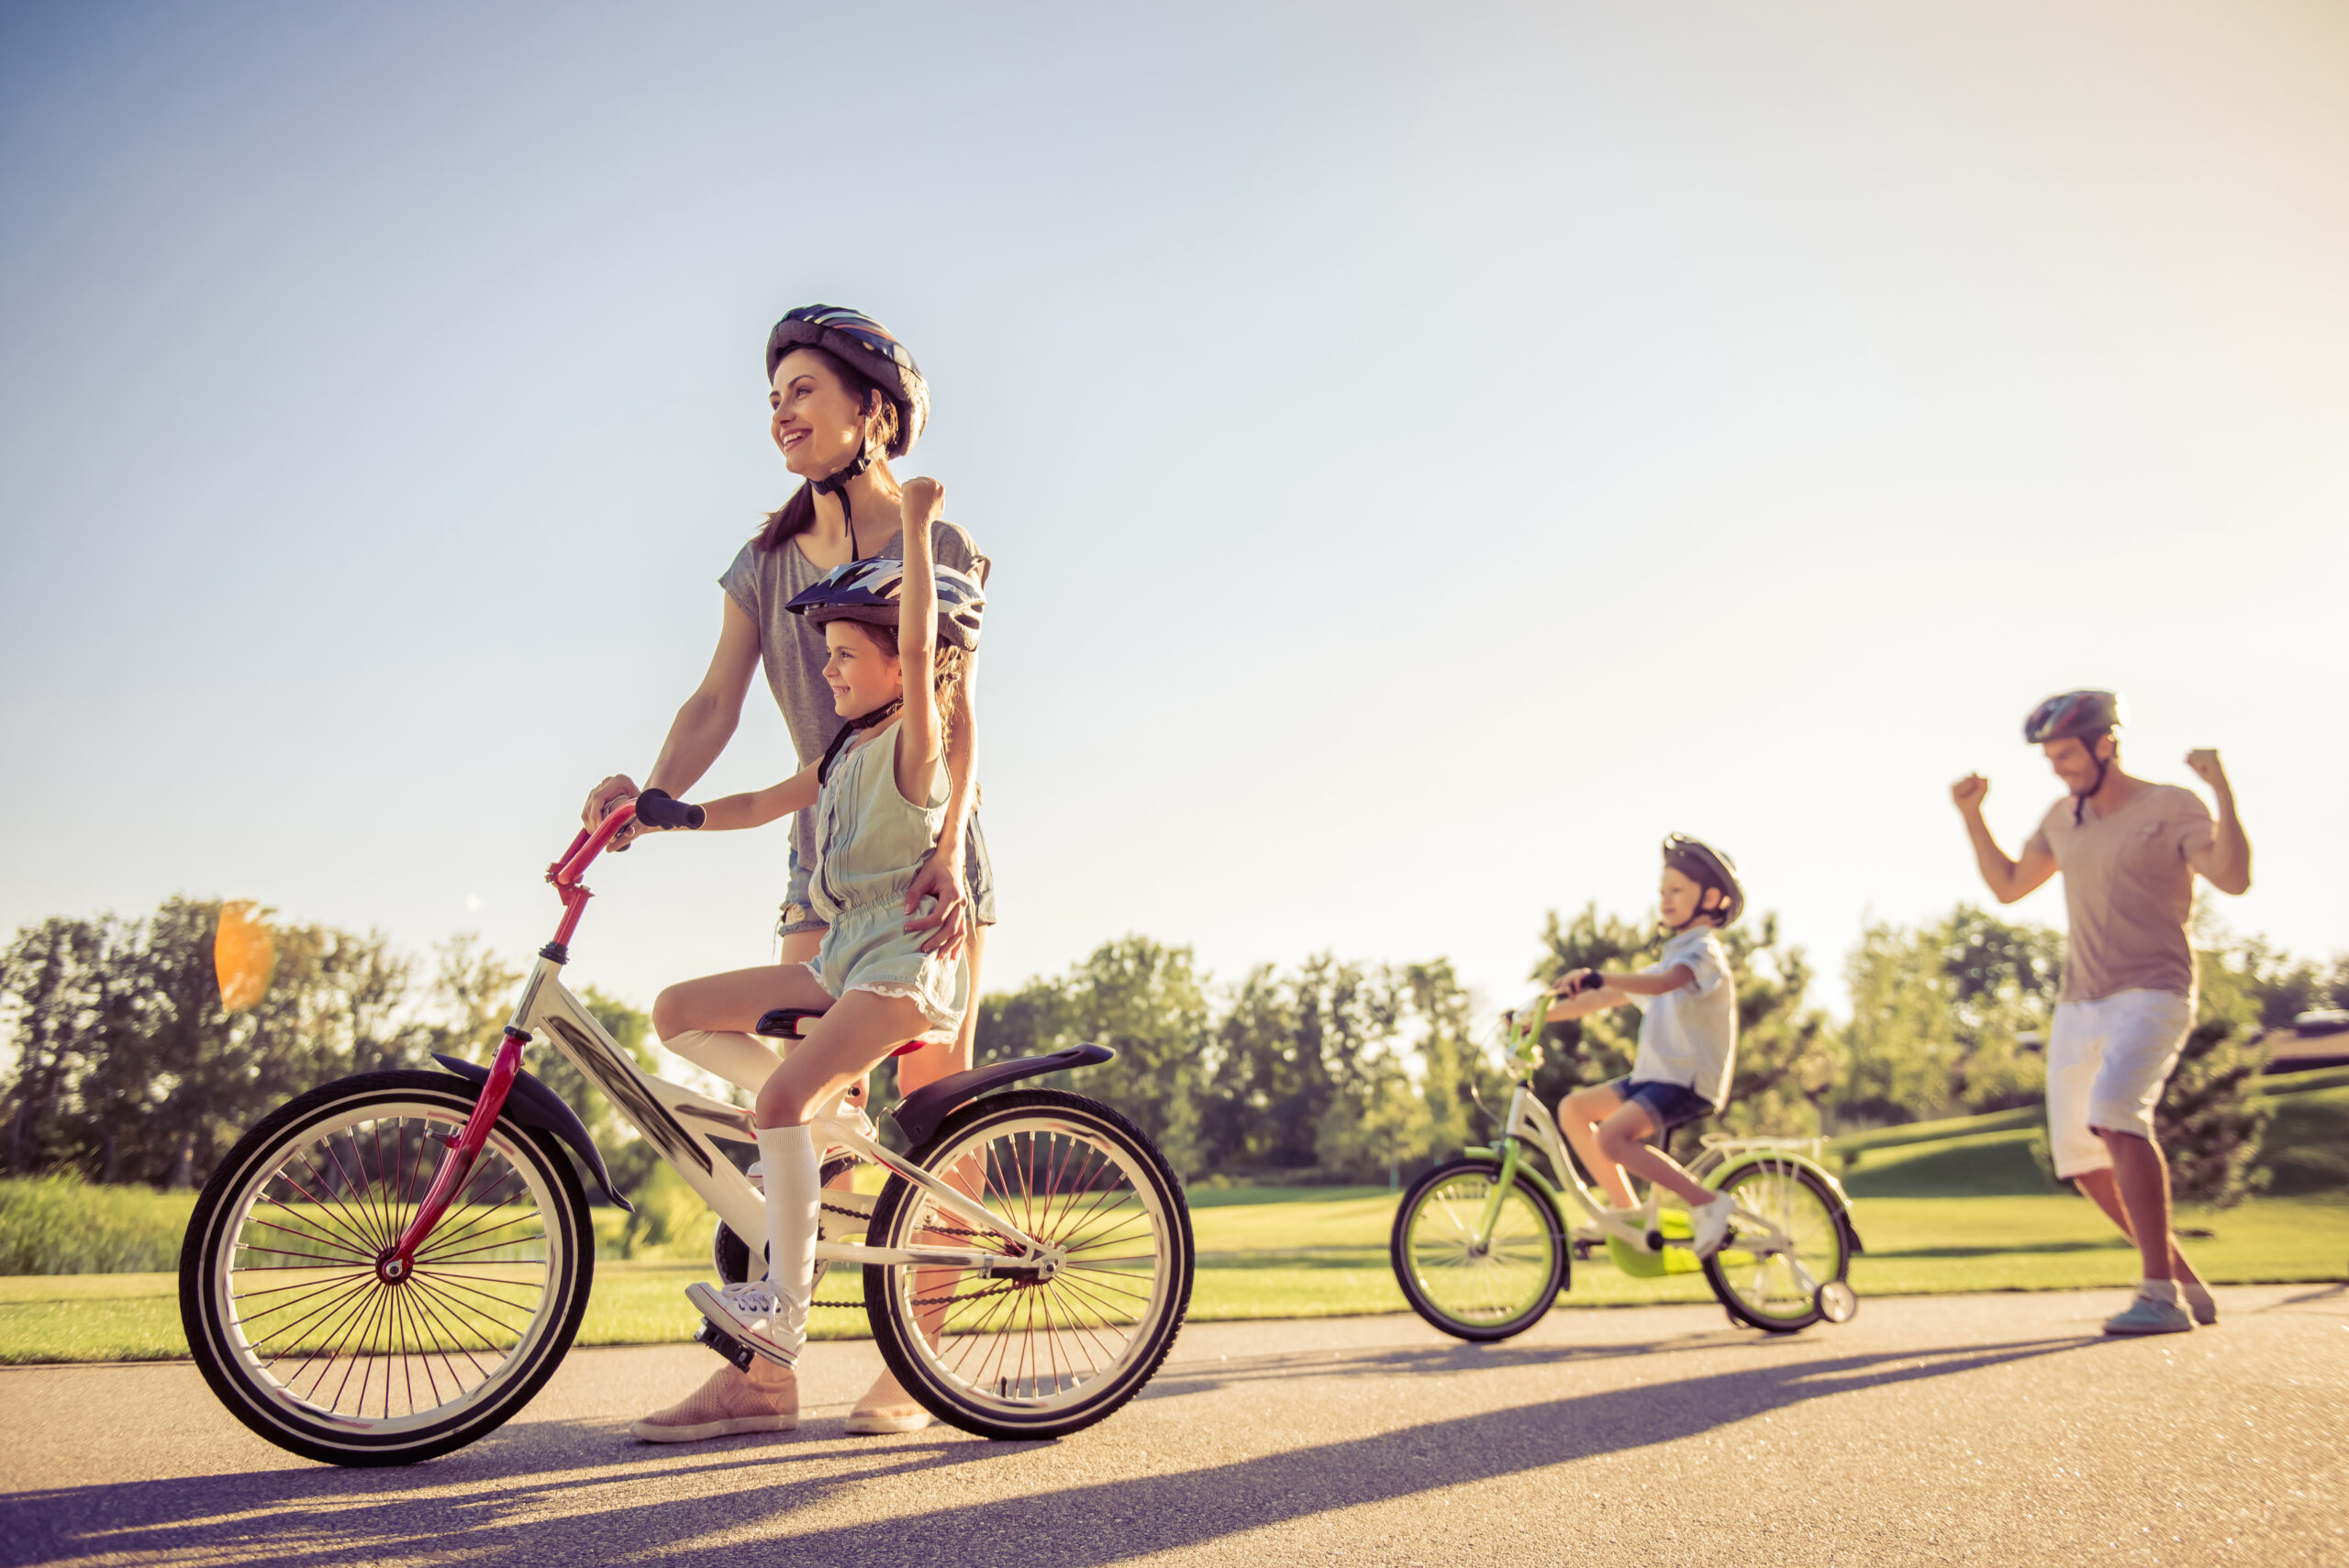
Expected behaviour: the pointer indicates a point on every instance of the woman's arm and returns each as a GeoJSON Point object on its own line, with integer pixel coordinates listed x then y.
{"type": "Point", "coordinates": [702, 727]}
{"type": "Point", "coordinates": [759, 807]}
{"type": "Point", "coordinates": [917, 644]}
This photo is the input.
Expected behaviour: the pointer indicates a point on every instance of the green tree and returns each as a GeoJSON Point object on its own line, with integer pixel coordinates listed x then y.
{"type": "Point", "coordinates": [1463, 1089]}
{"type": "Point", "coordinates": [1600, 1048]}
{"type": "Point", "coordinates": [51, 979]}
{"type": "Point", "coordinates": [1945, 1017]}
{"type": "Point", "coordinates": [2208, 1124]}
{"type": "Point", "coordinates": [1143, 999]}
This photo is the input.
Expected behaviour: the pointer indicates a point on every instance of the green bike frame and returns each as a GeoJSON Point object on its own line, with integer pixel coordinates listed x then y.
{"type": "Point", "coordinates": [1651, 1239]}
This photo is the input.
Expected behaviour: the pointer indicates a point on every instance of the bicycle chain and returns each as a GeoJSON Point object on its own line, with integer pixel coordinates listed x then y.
{"type": "Point", "coordinates": [919, 1301]}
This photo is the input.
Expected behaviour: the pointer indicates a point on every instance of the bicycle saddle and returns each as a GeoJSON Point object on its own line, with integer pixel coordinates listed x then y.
{"type": "Point", "coordinates": [783, 1023]}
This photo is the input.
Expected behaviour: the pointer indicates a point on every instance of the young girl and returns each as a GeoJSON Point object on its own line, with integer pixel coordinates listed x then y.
{"type": "Point", "coordinates": [844, 397]}
{"type": "Point", "coordinates": [896, 634]}
{"type": "Point", "coordinates": [1687, 1041]}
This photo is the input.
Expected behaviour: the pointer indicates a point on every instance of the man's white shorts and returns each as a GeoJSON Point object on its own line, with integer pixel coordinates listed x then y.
{"type": "Point", "coordinates": [2106, 1061]}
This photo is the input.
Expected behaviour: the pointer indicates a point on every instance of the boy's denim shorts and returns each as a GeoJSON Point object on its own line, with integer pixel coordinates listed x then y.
{"type": "Point", "coordinates": [978, 879]}
{"type": "Point", "coordinates": [1672, 1104]}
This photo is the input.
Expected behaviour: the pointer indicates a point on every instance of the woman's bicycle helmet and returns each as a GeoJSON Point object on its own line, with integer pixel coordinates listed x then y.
{"type": "Point", "coordinates": [868, 590]}
{"type": "Point", "coordinates": [2079, 716]}
{"type": "Point", "coordinates": [1707, 867]}
{"type": "Point", "coordinates": [870, 349]}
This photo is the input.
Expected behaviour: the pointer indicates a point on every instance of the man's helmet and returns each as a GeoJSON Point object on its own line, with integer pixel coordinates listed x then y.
{"type": "Point", "coordinates": [868, 590]}
{"type": "Point", "coordinates": [860, 341]}
{"type": "Point", "coordinates": [2079, 715]}
{"type": "Point", "coordinates": [1707, 867]}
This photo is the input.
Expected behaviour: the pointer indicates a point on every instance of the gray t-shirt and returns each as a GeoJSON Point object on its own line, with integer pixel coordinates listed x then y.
{"type": "Point", "coordinates": [2129, 891]}
{"type": "Point", "coordinates": [792, 648]}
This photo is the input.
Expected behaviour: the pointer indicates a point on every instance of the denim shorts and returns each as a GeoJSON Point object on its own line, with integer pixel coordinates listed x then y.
{"type": "Point", "coordinates": [1671, 1105]}
{"type": "Point", "coordinates": [979, 877]}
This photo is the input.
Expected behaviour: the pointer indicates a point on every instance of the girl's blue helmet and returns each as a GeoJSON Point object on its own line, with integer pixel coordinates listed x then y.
{"type": "Point", "coordinates": [868, 590]}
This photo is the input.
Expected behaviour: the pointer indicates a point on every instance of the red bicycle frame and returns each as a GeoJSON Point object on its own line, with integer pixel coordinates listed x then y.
{"type": "Point", "coordinates": [397, 1259]}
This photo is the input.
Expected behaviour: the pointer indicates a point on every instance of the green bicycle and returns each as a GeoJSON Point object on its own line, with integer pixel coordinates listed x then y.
{"type": "Point", "coordinates": [1482, 1246]}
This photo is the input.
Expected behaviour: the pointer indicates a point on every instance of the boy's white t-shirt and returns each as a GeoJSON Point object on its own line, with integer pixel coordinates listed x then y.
{"type": "Point", "coordinates": [1689, 1036]}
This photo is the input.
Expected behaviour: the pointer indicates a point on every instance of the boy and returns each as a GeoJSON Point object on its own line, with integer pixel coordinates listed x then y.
{"type": "Point", "coordinates": [1687, 1041]}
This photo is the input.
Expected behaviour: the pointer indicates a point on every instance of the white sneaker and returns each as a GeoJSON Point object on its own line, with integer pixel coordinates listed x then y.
{"type": "Point", "coordinates": [757, 1314]}
{"type": "Point", "coordinates": [1712, 1223]}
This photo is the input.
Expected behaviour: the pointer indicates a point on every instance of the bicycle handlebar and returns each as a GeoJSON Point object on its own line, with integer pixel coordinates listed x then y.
{"type": "Point", "coordinates": [658, 808]}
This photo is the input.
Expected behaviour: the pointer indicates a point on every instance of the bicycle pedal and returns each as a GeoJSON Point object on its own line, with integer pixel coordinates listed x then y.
{"type": "Point", "coordinates": [725, 1344]}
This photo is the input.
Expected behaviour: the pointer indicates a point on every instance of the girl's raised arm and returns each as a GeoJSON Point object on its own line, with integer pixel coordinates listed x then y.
{"type": "Point", "coordinates": [917, 643]}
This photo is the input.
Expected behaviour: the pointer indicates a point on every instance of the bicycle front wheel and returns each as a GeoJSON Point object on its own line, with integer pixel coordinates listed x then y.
{"type": "Point", "coordinates": [1778, 1290]}
{"type": "Point", "coordinates": [307, 1345]}
{"type": "Point", "coordinates": [1488, 1288]}
{"type": "Point", "coordinates": [1044, 1353]}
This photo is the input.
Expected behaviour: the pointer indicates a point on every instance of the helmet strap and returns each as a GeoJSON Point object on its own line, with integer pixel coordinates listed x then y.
{"type": "Point", "coordinates": [836, 483]}
{"type": "Point", "coordinates": [2080, 802]}
{"type": "Point", "coordinates": [881, 714]}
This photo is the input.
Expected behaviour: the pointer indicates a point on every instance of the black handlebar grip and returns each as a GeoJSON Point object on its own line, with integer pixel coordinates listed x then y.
{"type": "Point", "coordinates": [1589, 982]}
{"type": "Point", "coordinates": [657, 809]}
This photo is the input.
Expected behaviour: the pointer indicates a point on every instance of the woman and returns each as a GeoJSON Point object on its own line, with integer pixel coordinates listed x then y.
{"type": "Point", "coordinates": [844, 397]}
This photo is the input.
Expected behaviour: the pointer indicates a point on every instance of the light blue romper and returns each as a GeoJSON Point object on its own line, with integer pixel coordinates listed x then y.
{"type": "Point", "coordinates": [870, 840]}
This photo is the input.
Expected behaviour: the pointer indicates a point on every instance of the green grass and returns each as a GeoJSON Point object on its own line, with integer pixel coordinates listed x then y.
{"type": "Point", "coordinates": [1966, 1209]}
{"type": "Point", "coordinates": [61, 1225]}
{"type": "Point", "coordinates": [1309, 1253]}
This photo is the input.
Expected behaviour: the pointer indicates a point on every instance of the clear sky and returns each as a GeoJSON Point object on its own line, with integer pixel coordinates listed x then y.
{"type": "Point", "coordinates": [1428, 453]}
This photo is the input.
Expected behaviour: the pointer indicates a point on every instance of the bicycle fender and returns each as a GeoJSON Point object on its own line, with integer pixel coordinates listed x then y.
{"type": "Point", "coordinates": [1526, 1172]}
{"type": "Point", "coordinates": [919, 1114]}
{"type": "Point", "coordinates": [1763, 1157]}
{"type": "Point", "coordinates": [531, 1104]}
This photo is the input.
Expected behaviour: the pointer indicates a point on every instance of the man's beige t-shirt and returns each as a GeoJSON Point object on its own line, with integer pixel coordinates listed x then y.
{"type": "Point", "coordinates": [2129, 891]}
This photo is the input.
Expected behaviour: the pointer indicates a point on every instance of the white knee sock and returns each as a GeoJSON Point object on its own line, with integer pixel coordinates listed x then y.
{"type": "Point", "coordinates": [737, 1058]}
{"type": "Point", "coordinates": [794, 1194]}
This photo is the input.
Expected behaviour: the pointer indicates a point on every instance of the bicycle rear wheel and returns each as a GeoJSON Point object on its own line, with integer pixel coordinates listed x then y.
{"type": "Point", "coordinates": [1476, 1291]}
{"type": "Point", "coordinates": [305, 1343]}
{"type": "Point", "coordinates": [1778, 1290]}
{"type": "Point", "coordinates": [1044, 1355]}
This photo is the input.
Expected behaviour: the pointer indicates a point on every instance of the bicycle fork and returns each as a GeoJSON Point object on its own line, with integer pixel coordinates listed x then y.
{"type": "Point", "coordinates": [1511, 1152]}
{"type": "Point", "coordinates": [394, 1263]}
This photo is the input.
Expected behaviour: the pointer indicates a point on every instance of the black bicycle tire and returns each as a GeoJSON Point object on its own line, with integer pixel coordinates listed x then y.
{"type": "Point", "coordinates": [199, 1254]}
{"type": "Point", "coordinates": [1727, 1297]}
{"type": "Point", "coordinates": [881, 1302]}
{"type": "Point", "coordinates": [1407, 1277]}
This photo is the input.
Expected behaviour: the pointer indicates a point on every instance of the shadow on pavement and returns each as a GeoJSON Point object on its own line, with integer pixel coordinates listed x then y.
{"type": "Point", "coordinates": [493, 1499]}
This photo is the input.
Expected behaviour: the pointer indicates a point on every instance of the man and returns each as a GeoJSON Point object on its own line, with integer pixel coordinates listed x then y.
{"type": "Point", "coordinates": [2128, 850]}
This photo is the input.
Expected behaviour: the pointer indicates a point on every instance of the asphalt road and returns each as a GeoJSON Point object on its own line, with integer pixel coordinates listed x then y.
{"type": "Point", "coordinates": [1984, 1429]}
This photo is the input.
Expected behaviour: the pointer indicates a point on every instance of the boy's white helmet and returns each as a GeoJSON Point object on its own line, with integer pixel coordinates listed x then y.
{"type": "Point", "coordinates": [1707, 867]}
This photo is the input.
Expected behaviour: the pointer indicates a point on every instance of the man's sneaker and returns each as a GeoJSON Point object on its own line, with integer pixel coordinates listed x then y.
{"type": "Point", "coordinates": [754, 1313]}
{"type": "Point", "coordinates": [2147, 1316]}
{"type": "Point", "coordinates": [1712, 1223]}
{"type": "Point", "coordinates": [765, 1399]}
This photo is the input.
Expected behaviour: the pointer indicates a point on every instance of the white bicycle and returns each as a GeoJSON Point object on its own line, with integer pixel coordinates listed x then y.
{"type": "Point", "coordinates": [390, 1266]}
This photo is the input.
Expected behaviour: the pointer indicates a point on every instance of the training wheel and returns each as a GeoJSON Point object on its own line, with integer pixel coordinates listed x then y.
{"type": "Point", "coordinates": [1838, 1302]}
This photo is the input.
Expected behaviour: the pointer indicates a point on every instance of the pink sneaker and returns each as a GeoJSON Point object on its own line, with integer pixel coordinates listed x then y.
{"type": "Point", "coordinates": [765, 1399]}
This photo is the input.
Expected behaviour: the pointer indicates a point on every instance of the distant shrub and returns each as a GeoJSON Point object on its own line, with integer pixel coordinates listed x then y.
{"type": "Point", "coordinates": [62, 1225]}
